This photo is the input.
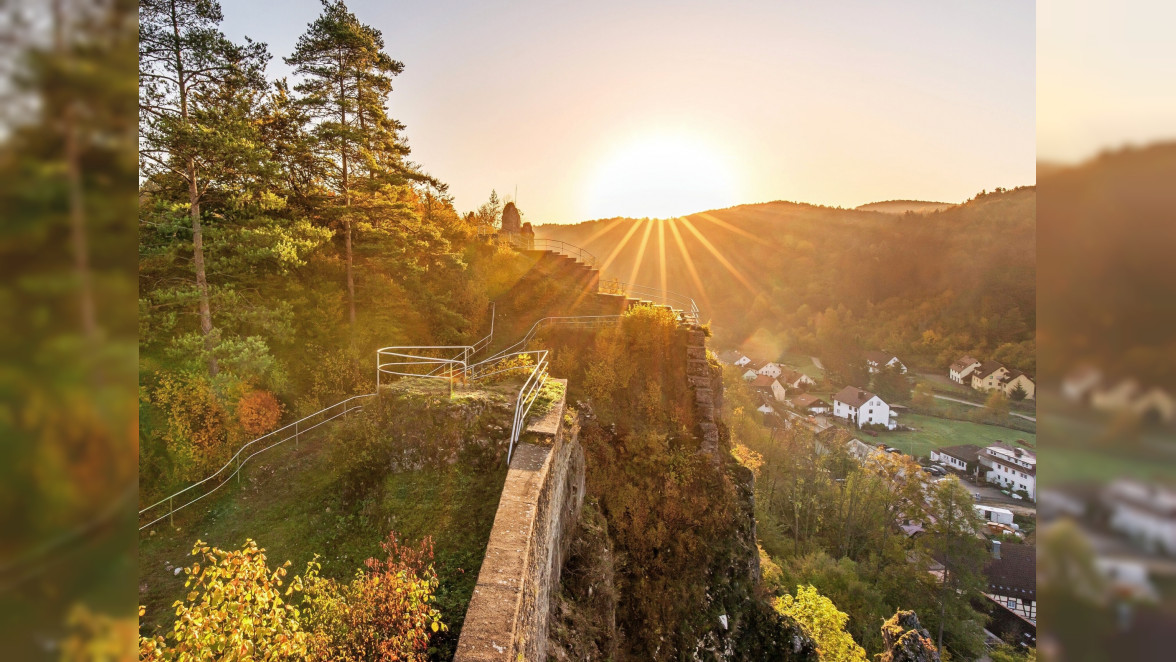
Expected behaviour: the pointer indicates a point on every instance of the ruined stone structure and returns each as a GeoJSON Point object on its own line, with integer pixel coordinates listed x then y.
{"type": "Point", "coordinates": [512, 222]}
{"type": "Point", "coordinates": [510, 610]}
{"type": "Point", "coordinates": [707, 382]}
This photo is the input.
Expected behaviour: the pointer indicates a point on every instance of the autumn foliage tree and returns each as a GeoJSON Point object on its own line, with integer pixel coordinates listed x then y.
{"type": "Point", "coordinates": [259, 412]}
{"type": "Point", "coordinates": [822, 621]}
{"type": "Point", "coordinates": [238, 608]}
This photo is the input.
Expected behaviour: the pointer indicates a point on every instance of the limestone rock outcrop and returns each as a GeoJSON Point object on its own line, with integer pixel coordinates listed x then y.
{"type": "Point", "coordinates": [906, 640]}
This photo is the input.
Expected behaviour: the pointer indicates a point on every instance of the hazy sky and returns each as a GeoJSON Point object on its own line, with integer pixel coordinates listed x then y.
{"type": "Point", "coordinates": [634, 108]}
{"type": "Point", "coordinates": [1105, 75]}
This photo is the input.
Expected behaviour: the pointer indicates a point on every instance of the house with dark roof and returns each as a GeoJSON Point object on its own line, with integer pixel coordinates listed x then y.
{"type": "Point", "coordinates": [875, 361]}
{"type": "Point", "coordinates": [795, 379]}
{"type": "Point", "coordinates": [960, 371]}
{"type": "Point", "coordinates": [1015, 378]}
{"type": "Point", "coordinates": [861, 407]}
{"type": "Point", "coordinates": [751, 369]}
{"type": "Point", "coordinates": [964, 458]}
{"type": "Point", "coordinates": [1011, 573]}
{"type": "Point", "coordinates": [810, 404]}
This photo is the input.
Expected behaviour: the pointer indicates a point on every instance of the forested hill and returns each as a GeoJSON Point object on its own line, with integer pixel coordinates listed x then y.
{"type": "Point", "coordinates": [905, 206]}
{"type": "Point", "coordinates": [783, 276]}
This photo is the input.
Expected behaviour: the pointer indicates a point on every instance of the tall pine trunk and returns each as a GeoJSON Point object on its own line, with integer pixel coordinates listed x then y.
{"type": "Point", "coordinates": [77, 210]}
{"type": "Point", "coordinates": [194, 211]}
{"type": "Point", "coordinates": [198, 263]}
{"type": "Point", "coordinates": [347, 209]}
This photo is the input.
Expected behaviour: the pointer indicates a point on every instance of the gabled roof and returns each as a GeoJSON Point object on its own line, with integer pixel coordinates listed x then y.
{"type": "Point", "coordinates": [790, 376]}
{"type": "Point", "coordinates": [755, 365]}
{"type": "Point", "coordinates": [881, 358]}
{"type": "Point", "coordinates": [987, 368]}
{"type": "Point", "coordinates": [968, 453]}
{"type": "Point", "coordinates": [853, 396]}
{"type": "Point", "coordinates": [1013, 374]}
{"type": "Point", "coordinates": [763, 381]}
{"type": "Point", "coordinates": [806, 400]}
{"type": "Point", "coordinates": [1014, 574]}
{"type": "Point", "coordinates": [962, 363]}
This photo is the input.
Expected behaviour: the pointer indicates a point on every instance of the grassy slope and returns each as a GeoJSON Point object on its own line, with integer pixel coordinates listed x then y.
{"type": "Point", "coordinates": [289, 504]}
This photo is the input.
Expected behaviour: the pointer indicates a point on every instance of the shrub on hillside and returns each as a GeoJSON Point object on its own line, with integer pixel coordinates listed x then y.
{"type": "Point", "coordinates": [195, 432]}
{"type": "Point", "coordinates": [237, 609]}
{"type": "Point", "coordinates": [385, 613]}
{"type": "Point", "coordinates": [822, 621]}
{"type": "Point", "coordinates": [258, 412]}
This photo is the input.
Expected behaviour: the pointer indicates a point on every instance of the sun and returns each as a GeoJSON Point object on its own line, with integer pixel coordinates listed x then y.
{"type": "Point", "coordinates": [661, 176]}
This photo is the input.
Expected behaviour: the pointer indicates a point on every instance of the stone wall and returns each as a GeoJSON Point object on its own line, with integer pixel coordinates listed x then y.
{"type": "Point", "coordinates": [511, 607]}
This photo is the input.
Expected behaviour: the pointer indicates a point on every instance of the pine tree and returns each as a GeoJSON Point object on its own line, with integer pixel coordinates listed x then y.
{"type": "Point", "coordinates": [186, 67]}
{"type": "Point", "coordinates": [346, 78]}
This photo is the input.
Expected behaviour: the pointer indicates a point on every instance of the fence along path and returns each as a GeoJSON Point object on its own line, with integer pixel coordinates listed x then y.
{"type": "Point", "coordinates": [454, 363]}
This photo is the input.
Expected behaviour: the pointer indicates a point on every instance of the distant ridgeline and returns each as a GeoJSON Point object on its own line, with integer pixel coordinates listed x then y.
{"type": "Point", "coordinates": [928, 287]}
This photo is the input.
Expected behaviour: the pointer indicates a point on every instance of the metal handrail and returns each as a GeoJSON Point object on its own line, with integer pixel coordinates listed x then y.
{"type": "Point", "coordinates": [237, 461]}
{"type": "Point", "coordinates": [555, 246]}
{"type": "Point", "coordinates": [685, 304]}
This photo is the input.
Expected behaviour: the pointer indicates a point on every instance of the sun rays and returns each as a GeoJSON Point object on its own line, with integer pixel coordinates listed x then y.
{"type": "Point", "coordinates": [629, 255]}
{"type": "Point", "coordinates": [706, 243]}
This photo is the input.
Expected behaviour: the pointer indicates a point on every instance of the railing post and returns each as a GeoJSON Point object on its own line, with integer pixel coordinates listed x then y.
{"type": "Point", "coordinates": [171, 512]}
{"type": "Point", "coordinates": [238, 472]}
{"type": "Point", "coordinates": [296, 434]}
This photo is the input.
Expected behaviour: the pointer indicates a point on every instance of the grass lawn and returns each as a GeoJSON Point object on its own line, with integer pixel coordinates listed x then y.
{"type": "Point", "coordinates": [802, 363]}
{"type": "Point", "coordinates": [1079, 449]}
{"type": "Point", "coordinates": [935, 432]}
{"type": "Point", "coordinates": [289, 503]}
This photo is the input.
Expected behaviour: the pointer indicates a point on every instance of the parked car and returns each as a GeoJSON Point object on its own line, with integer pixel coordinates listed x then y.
{"type": "Point", "coordinates": [892, 449]}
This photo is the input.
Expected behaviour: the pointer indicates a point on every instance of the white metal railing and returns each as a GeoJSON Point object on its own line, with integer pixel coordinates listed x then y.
{"type": "Point", "coordinates": [190, 495]}
{"type": "Point", "coordinates": [528, 393]}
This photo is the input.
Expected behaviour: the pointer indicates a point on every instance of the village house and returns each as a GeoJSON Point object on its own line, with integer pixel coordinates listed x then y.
{"type": "Point", "coordinates": [1011, 467]}
{"type": "Point", "coordinates": [861, 407]}
{"type": "Point", "coordinates": [796, 380]}
{"type": "Point", "coordinates": [861, 450]}
{"type": "Point", "coordinates": [751, 369]}
{"type": "Point", "coordinates": [1115, 398]}
{"type": "Point", "coordinates": [1016, 378]}
{"type": "Point", "coordinates": [961, 371]}
{"type": "Point", "coordinates": [733, 357]}
{"type": "Point", "coordinates": [988, 376]}
{"type": "Point", "coordinates": [771, 369]}
{"type": "Point", "coordinates": [1012, 578]}
{"type": "Point", "coordinates": [765, 408]}
{"type": "Point", "coordinates": [1144, 512]}
{"type": "Point", "coordinates": [964, 458]}
{"type": "Point", "coordinates": [1155, 406]}
{"type": "Point", "coordinates": [875, 361]}
{"type": "Point", "coordinates": [810, 404]}
{"type": "Point", "coordinates": [1079, 383]}
{"type": "Point", "coordinates": [769, 385]}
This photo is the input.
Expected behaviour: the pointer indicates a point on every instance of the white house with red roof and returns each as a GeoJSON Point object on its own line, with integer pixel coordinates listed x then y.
{"type": "Point", "coordinates": [861, 407]}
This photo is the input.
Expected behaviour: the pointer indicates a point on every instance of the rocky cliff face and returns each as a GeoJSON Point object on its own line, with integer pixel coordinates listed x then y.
{"type": "Point", "coordinates": [906, 640]}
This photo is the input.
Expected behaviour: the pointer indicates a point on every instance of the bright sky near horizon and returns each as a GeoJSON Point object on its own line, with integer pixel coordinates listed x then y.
{"type": "Point", "coordinates": [645, 108]}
